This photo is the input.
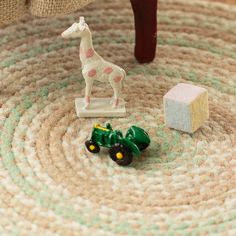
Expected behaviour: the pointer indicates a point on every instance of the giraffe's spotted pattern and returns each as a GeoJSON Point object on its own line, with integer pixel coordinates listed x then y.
{"type": "Point", "coordinates": [89, 53]}
{"type": "Point", "coordinates": [108, 70]}
{"type": "Point", "coordinates": [92, 73]}
{"type": "Point", "coordinates": [117, 79]}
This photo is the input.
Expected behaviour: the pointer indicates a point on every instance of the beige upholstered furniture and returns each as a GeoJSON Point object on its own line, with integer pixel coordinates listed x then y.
{"type": "Point", "coordinates": [11, 10]}
{"type": "Point", "coordinates": [144, 17]}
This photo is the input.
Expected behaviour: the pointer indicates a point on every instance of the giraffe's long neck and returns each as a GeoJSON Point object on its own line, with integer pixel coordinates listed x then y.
{"type": "Point", "coordinates": [87, 52]}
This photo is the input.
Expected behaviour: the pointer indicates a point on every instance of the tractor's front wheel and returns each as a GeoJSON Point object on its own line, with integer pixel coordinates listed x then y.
{"type": "Point", "coordinates": [121, 154]}
{"type": "Point", "coordinates": [92, 146]}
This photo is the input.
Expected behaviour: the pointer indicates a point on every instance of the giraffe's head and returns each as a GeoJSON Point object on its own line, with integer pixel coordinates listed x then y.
{"type": "Point", "coordinates": [76, 30]}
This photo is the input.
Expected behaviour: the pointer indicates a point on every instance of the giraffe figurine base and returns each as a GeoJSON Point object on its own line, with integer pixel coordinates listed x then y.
{"type": "Point", "coordinates": [99, 107]}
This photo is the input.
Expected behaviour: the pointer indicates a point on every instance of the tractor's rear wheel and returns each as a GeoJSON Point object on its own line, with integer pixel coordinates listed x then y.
{"type": "Point", "coordinates": [121, 154]}
{"type": "Point", "coordinates": [92, 146]}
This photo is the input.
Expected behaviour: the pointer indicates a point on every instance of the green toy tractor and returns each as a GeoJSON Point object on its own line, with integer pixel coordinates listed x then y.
{"type": "Point", "coordinates": [121, 148]}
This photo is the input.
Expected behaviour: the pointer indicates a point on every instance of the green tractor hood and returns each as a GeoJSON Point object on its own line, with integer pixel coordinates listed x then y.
{"type": "Point", "coordinates": [138, 136]}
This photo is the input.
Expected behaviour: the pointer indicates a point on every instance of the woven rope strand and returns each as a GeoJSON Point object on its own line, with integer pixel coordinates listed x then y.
{"type": "Point", "coordinates": [182, 184]}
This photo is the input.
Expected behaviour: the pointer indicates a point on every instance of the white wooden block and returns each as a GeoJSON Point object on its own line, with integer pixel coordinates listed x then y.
{"type": "Point", "coordinates": [99, 107]}
{"type": "Point", "coordinates": [186, 107]}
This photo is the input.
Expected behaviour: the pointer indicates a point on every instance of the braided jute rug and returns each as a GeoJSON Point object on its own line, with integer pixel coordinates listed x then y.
{"type": "Point", "coordinates": [183, 184]}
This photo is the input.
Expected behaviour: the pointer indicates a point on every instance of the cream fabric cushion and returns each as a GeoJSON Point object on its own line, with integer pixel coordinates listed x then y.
{"type": "Point", "coordinates": [11, 10]}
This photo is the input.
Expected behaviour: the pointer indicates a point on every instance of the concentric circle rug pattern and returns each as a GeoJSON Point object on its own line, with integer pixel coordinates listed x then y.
{"type": "Point", "coordinates": [182, 185]}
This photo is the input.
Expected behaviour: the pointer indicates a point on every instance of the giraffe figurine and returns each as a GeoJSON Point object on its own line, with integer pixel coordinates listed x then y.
{"type": "Point", "coordinates": [94, 67]}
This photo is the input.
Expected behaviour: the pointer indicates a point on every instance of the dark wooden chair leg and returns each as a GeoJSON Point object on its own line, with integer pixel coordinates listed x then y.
{"type": "Point", "coordinates": [145, 18]}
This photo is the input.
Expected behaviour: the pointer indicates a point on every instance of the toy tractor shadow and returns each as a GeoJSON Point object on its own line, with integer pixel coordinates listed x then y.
{"type": "Point", "coordinates": [150, 157]}
{"type": "Point", "coordinates": [122, 149]}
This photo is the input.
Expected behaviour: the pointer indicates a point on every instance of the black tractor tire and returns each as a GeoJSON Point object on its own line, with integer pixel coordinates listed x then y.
{"type": "Point", "coordinates": [143, 146]}
{"type": "Point", "coordinates": [121, 154]}
{"type": "Point", "coordinates": [92, 146]}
